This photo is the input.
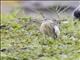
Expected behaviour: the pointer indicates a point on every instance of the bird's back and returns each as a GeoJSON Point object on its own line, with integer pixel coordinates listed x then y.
{"type": "Point", "coordinates": [47, 27]}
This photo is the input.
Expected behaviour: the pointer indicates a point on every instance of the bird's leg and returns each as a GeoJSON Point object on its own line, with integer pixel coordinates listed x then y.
{"type": "Point", "coordinates": [43, 43]}
{"type": "Point", "coordinates": [44, 38]}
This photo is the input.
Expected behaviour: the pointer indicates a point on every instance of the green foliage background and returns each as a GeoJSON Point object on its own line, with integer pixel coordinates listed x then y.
{"type": "Point", "coordinates": [23, 40]}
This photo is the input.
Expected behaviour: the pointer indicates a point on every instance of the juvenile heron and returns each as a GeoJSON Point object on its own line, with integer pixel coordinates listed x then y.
{"type": "Point", "coordinates": [50, 28]}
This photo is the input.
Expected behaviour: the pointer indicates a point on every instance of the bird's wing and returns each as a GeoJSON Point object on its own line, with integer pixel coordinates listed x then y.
{"type": "Point", "coordinates": [57, 31]}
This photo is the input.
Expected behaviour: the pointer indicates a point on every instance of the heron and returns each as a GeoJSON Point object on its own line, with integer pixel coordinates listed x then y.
{"type": "Point", "coordinates": [50, 28]}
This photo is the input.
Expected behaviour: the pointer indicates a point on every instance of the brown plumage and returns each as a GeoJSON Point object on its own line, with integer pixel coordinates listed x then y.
{"type": "Point", "coordinates": [48, 27]}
